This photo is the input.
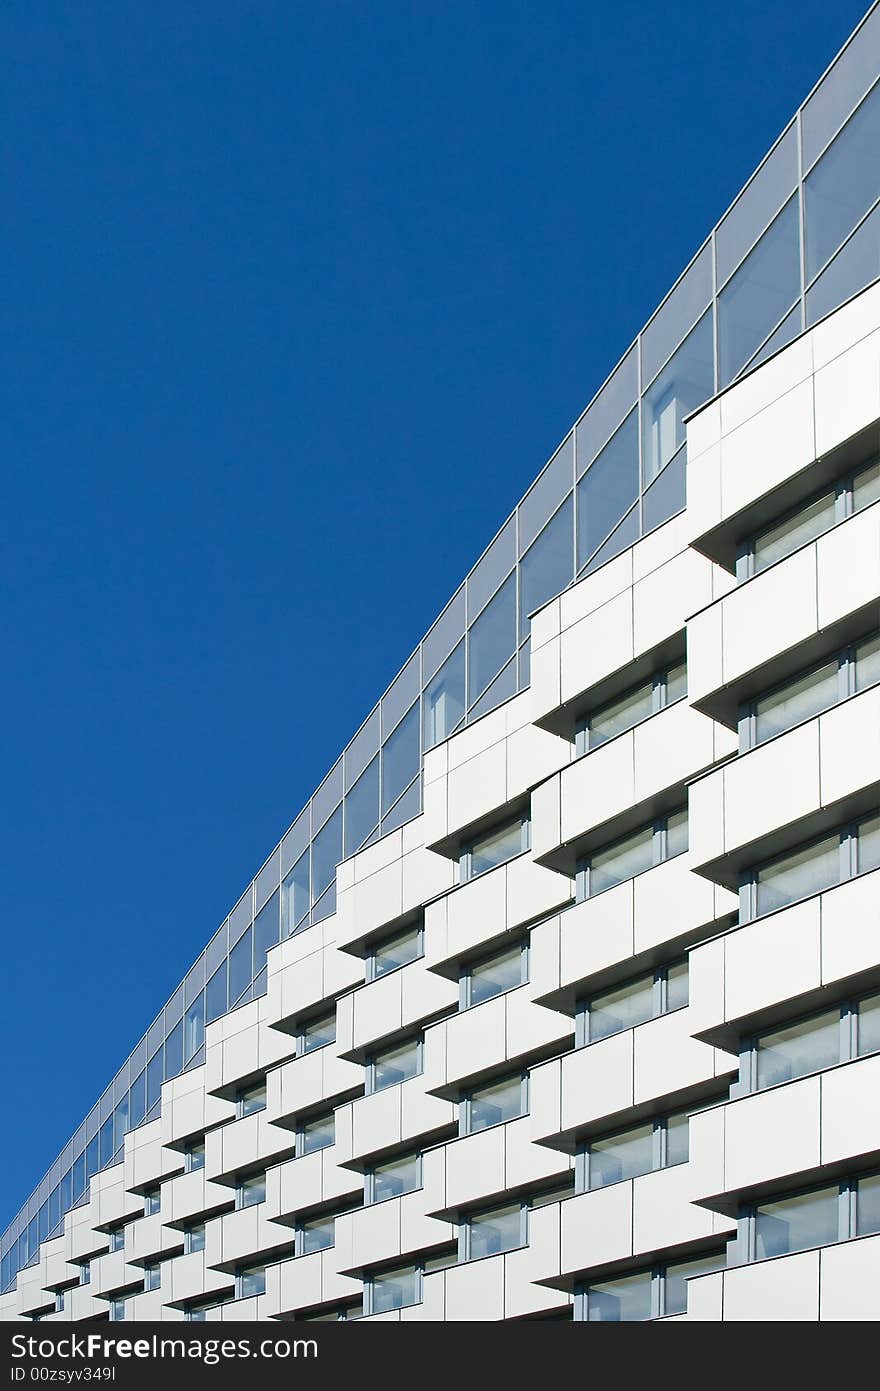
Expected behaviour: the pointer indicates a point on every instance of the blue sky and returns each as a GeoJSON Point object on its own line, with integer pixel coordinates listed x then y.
{"type": "Point", "coordinates": [297, 300]}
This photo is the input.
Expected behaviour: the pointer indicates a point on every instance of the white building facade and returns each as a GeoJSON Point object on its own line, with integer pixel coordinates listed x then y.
{"type": "Point", "coordinates": [596, 1034]}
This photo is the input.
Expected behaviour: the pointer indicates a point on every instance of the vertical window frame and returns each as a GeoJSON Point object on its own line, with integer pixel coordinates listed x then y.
{"type": "Point", "coordinates": [465, 859]}
{"type": "Point", "coordinates": [848, 851]}
{"type": "Point", "coordinates": [659, 682]}
{"type": "Point", "coordinates": [843, 508]}
{"type": "Point", "coordinates": [464, 1230]}
{"type": "Point", "coordinates": [660, 993]}
{"type": "Point", "coordinates": [465, 980]}
{"type": "Point", "coordinates": [659, 854]}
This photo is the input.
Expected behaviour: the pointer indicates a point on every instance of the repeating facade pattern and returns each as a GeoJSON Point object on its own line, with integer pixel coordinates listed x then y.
{"type": "Point", "coordinates": [597, 1034]}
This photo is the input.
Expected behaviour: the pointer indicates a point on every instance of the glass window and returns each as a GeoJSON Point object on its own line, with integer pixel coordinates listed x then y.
{"type": "Point", "coordinates": [401, 757]}
{"type": "Point", "coordinates": [216, 1001]}
{"type": "Point", "coordinates": [194, 1027]}
{"type": "Point", "coordinates": [444, 699]}
{"type": "Point", "coordinates": [152, 1277]}
{"type": "Point", "coordinates": [152, 1202]}
{"type": "Point", "coordinates": [85, 1273]}
{"type": "Point", "coordinates": [866, 486]}
{"type": "Point", "coordinates": [621, 1008]}
{"type": "Point", "coordinates": [798, 1049]}
{"type": "Point", "coordinates": [787, 330]}
{"type": "Point", "coordinates": [362, 808]}
{"type": "Point", "coordinates": [676, 834]}
{"type": "Point", "coordinates": [251, 1099]}
{"type": "Point", "coordinates": [802, 872]}
{"type": "Point", "coordinates": [404, 809]}
{"type": "Point", "coordinates": [360, 752]}
{"type": "Point", "coordinates": [444, 635]}
{"type": "Point", "coordinates": [621, 714]}
{"type": "Point", "coordinates": [677, 1276]}
{"type": "Point", "coordinates": [499, 973]}
{"type": "Point", "coordinates": [492, 639]}
{"type": "Point", "coordinates": [295, 898]}
{"type": "Point", "coordinates": [869, 845]}
{"type": "Point", "coordinates": [620, 1301]}
{"type": "Point", "coordinates": [677, 985]}
{"type": "Point", "coordinates": [784, 537]}
{"type": "Point", "coordinates": [318, 1133]}
{"type": "Point", "coordinates": [622, 861]}
{"type": "Point", "coordinates": [137, 1103]}
{"type": "Point", "coordinates": [546, 493]}
{"type": "Point", "coordinates": [677, 1139]}
{"type": "Point", "coordinates": [326, 853]}
{"type": "Point", "coordinates": [495, 848]}
{"type": "Point", "coordinates": [548, 566]}
{"type": "Point", "coordinates": [397, 1064]}
{"type": "Point", "coordinates": [621, 1156]}
{"type": "Point", "coordinates": [686, 382]}
{"type": "Point", "coordinates": [679, 311]}
{"type": "Point", "coordinates": [867, 656]}
{"type": "Point", "coordinates": [195, 1156]}
{"type": "Point", "coordinates": [251, 1191]}
{"type": "Point", "coordinates": [676, 682]}
{"type": "Point", "coordinates": [394, 1289]}
{"type": "Point", "coordinates": [240, 968]}
{"type": "Point", "coordinates": [250, 1282]}
{"type": "Point", "coordinates": [844, 184]}
{"type": "Point", "coordinates": [494, 564]}
{"type": "Point", "coordinates": [796, 1223]}
{"type": "Point", "coordinates": [117, 1239]}
{"type": "Point", "coordinates": [266, 929]}
{"type": "Point", "coordinates": [401, 694]}
{"type": "Point", "coordinates": [760, 293]}
{"type": "Point", "coordinates": [855, 265]}
{"type": "Point", "coordinates": [800, 699]}
{"type": "Point", "coordinates": [395, 951]}
{"type": "Point", "coordinates": [174, 1050]}
{"type": "Point", "coordinates": [868, 1205]}
{"type": "Point", "coordinates": [666, 495]}
{"type": "Point", "coordinates": [490, 1233]}
{"type": "Point", "coordinates": [608, 489]}
{"type": "Point", "coordinates": [869, 1025]}
{"type": "Point", "coordinates": [608, 408]}
{"type": "Point", "coordinates": [760, 199]}
{"type": "Point", "coordinates": [194, 1238]}
{"type": "Point", "coordinates": [497, 1102]}
{"type": "Point", "coordinates": [394, 1177]}
{"type": "Point", "coordinates": [317, 1033]}
{"type": "Point", "coordinates": [622, 536]}
{"type": "Point", "coordinates": [318, 1234]}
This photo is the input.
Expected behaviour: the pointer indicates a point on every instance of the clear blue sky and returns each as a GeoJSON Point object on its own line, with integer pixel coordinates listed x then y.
{"type": "Point", "coordinates": [298, 297]}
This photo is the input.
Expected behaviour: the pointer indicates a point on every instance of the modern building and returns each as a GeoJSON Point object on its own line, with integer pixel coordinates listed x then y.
{"type": "Point", "coordinates": [561, 998]}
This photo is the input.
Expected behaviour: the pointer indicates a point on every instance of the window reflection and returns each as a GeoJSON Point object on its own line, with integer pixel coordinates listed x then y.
{"type": "Point", "coordinates": [686, 382]}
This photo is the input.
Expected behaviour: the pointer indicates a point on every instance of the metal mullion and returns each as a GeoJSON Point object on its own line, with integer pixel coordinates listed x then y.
{"type": "Point", "coordinates": [846, 1210]}
{"type": "Point", "coordinates": [802, 220]}
{"type": "Point", "coordinates": [657, 1292]}
{"type": "Point", "coordinates": [716, 356]}
{"type": "Point", "coordinates": [640, 426]}
{"type": "Point", "coordinates": [658, 1144]}
{"type": "Point", "coordinates": [849, 1024]}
